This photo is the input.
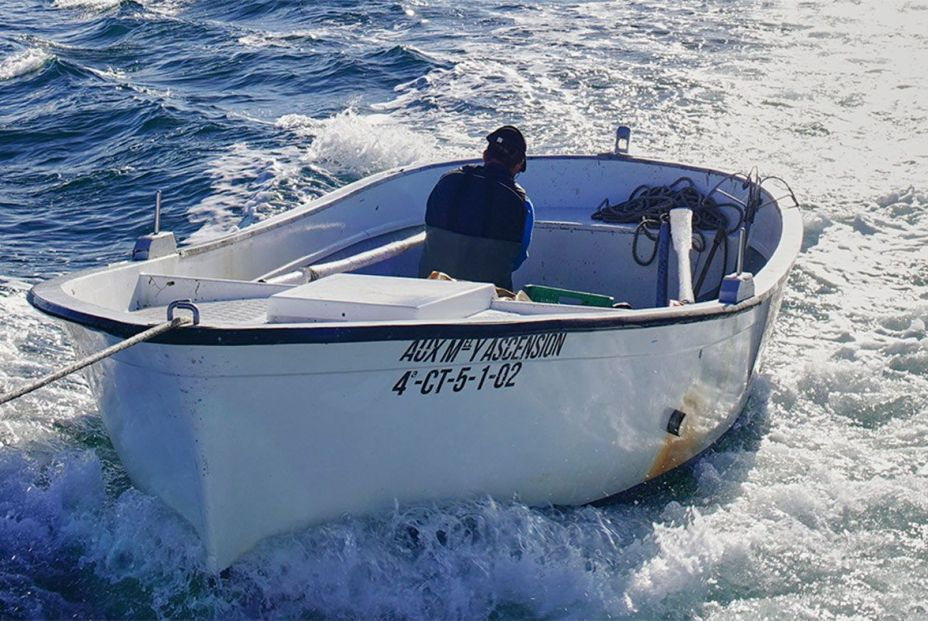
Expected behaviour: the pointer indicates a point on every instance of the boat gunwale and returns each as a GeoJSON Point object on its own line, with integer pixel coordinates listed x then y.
{"type": "Point", "coordinates": [50, 297]}
{"type": "Point", "coordinates": [357, 332]}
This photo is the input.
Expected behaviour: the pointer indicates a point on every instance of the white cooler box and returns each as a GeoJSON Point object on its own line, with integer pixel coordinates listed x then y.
{"type": "Point", "coordinates": [360, 297]}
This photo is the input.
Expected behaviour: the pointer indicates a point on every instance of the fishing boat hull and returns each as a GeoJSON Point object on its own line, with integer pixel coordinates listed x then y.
{"type": "Point", "coordinates": [252, 440]}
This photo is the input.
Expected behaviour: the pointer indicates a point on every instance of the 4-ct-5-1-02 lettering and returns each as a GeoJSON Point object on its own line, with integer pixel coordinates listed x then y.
{"type": "Point", "coordinates": [453, 380]}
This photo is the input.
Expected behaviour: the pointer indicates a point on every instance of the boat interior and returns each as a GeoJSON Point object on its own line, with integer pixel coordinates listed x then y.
{"type": "Point", "coordinates": [353, 255]}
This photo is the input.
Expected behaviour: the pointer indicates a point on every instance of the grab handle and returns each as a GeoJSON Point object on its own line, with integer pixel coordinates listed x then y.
{"type": "Point", "coordinates": [186, 305]}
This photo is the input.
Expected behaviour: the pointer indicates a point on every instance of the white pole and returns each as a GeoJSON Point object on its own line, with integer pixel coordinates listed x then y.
{"type": "Point", "coordinates": [158, 212]}
{"type": "Point", "coordinates": [740, 251]}
{"type": "Point", "coordinates": [681, 231]}
{"type": "Point", "coordinates": [348, 264]}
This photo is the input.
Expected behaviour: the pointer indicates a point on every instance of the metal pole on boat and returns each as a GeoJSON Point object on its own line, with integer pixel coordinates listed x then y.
{"type": "Point", "coordinates": [156, 244]}
{"type": "Point", "coordinates": [158, 212]}
{"type": "Point", "coordinates": [740, 264]}
{"type": "Point", "coordinates": [89, 360]}
{"type": "Point", "coordinates": [737, 287]}
{"type": "Point", "coordinates": [663, 260]}
{"type": "Point", "coordinates": [348, 264]}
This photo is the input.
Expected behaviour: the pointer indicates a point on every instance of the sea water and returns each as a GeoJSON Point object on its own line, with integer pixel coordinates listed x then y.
{"type": "Point", "coordinates": [814, 507]}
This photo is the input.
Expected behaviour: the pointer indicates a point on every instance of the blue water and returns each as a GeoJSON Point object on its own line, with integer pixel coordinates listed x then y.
{"type": "Point", "coordinates": [814, 507]}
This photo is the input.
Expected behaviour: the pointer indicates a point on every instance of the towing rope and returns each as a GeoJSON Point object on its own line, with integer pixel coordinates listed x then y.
{"type": "Point", "coordinates": [100, 355]}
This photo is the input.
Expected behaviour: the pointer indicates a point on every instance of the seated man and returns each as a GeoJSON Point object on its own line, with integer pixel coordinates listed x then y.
{"type": "Point", "coordinates": [478, 221]}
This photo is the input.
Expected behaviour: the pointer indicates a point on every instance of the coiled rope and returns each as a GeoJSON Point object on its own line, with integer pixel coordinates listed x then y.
{"type": "Point", "coordinates": [648, 206]}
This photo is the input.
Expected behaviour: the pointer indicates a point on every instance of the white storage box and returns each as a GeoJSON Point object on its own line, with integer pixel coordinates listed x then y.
{"type": "Point", "coordinates": [359, 297]}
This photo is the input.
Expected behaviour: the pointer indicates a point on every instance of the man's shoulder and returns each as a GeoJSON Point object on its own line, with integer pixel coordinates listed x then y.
{"type": "Point", "coordinates": [449, 185]}
{"type": "Point", "coordinates": [462, 171]}
{"type": "Point", "coordinates": [471, 173]}
{"type": "Point", "coordinates": [496, 174]}
{"type": "Point", "coordinates": [455, 176]}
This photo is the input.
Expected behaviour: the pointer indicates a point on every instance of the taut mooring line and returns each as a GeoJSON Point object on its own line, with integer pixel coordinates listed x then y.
{"type": "Point", "coordinates": [100, 355]}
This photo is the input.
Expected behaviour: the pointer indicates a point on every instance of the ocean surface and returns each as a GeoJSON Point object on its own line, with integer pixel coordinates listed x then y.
{"type": "Point", "coordinates": [814, 507]}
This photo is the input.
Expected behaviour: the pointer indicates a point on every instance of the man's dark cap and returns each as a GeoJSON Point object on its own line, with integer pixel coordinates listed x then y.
{"type": "Point", "coordinates": [508, 142]}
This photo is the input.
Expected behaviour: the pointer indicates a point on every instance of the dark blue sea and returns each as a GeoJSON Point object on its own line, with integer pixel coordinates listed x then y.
{"type": "Point", "coordinates": [814, 507]}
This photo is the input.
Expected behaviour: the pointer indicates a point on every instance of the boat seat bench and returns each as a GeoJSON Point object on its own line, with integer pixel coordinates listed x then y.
{"type": "Point", "coordinates": [162, 289]}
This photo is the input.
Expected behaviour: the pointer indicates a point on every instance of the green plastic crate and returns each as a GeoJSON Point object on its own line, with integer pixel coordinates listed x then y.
{"type": "Point", "coordinates": [553, 295]}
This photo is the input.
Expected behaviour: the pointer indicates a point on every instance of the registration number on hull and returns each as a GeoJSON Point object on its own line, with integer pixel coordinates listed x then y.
{"type": "Point", "coordinates": [458, 379]}
{"type": "Point", "coordinates": [505, 355]}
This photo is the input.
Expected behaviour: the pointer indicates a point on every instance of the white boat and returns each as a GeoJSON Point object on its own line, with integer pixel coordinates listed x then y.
{"type": "Point", "coordinates": [290, 404]}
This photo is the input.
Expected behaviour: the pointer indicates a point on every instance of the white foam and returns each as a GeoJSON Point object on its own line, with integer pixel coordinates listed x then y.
{"type": "Point", "coordinates": [23, 62]}
{"type": "Point", "coordinates": [907, 196]}
{"type": "Point", "coordinates": [94, 5]}
{"type": "Point", "coordinates": [121, 79]}
{"type": "Point", "coordinates": [247, 185]}
{"type": "Point", "coordinates": [679, 569]}
{"type": "Point", "coordinates": [360, 144]}
{"type": "Point", "coordinates": [164, 8]}
{"type": "Point", "coordinates": [32, 346]}
{"type": "Point", "coordinates": [157, 7]}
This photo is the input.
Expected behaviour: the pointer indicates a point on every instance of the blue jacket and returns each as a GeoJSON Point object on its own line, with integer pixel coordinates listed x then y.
{"type": "Point", "coordinates": [478, 225]}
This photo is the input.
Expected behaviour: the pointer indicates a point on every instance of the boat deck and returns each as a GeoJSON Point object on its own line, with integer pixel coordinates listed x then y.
{"type": "Point", "coordinates": [249, 311]}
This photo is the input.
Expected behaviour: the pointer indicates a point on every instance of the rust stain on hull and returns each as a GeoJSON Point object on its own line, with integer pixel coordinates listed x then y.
{"type": "Point", "coordinates": [676, 450]}
{"type": "Point", "coordinates": [672, 453]}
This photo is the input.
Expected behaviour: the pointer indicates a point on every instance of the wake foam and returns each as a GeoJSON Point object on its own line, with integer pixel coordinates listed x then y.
{"type": "Point", "coordinates": [267, 39]}
{"type": "Point", "coordinates": [250, 184]}
{"type": "Point", "coordinates": [358, 145]}
{"type": "Point", "coordinates": [466, 560]}
{"type": "Point", "coordinates": [247, 185]}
